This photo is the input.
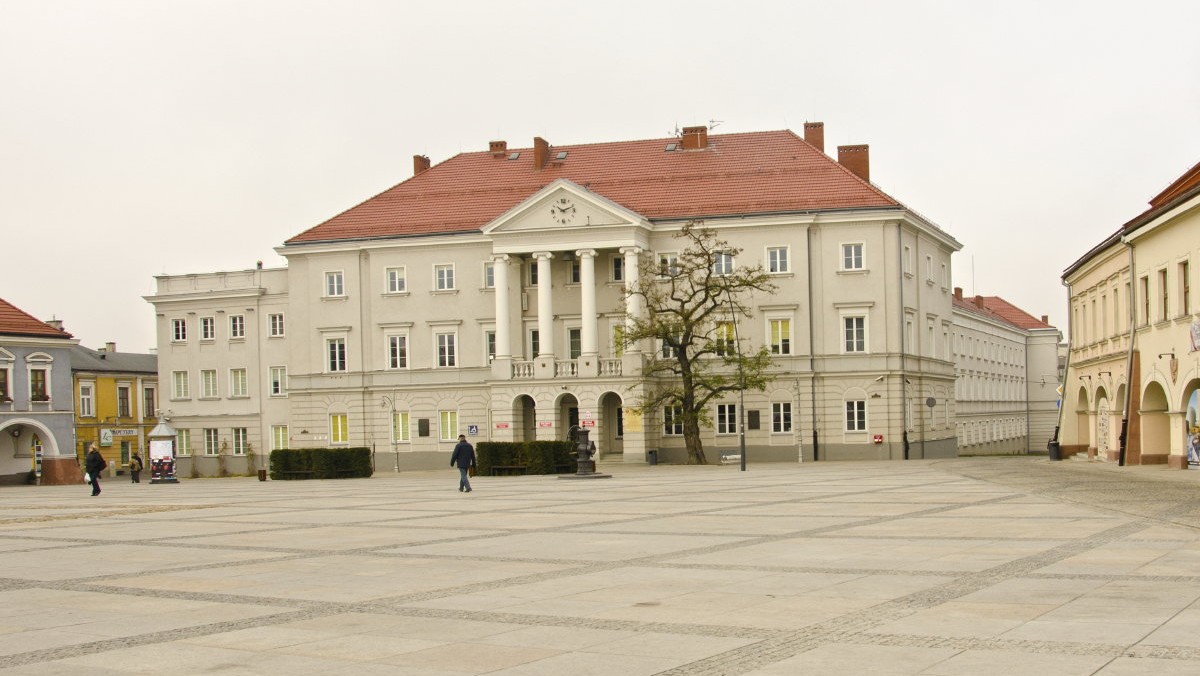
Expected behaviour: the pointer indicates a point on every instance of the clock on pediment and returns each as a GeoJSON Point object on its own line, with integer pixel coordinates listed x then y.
{"type": "Point", "coordinates": [562, 210]}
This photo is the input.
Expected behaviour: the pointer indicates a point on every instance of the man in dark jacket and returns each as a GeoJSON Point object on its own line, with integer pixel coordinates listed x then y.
{"type": "Point", "coordinates": [464, 457]}
{"type": "Point", "coordinates": [94, 464]}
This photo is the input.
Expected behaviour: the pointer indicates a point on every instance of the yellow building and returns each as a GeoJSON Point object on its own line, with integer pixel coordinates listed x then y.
{"type": "Point", "coordinates": [116, 399]}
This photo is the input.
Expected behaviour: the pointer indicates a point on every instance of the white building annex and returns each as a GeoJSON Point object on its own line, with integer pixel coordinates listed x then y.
{"type": "Point", "coordinates": [483, 296]}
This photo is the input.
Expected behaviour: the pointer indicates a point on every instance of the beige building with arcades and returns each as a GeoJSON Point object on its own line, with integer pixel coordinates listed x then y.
{"type": "Point", "coordinates": [483, 296]}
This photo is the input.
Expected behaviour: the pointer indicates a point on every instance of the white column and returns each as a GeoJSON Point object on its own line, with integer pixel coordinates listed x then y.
{"type": "Point", "coordinates": [587, 275]}
{"type": "Point", "coordinates": [503, 307]}
{"type": "Point", "coordinates": [633, 308]}
{"type": "Point", "coordinates": [545, 305]}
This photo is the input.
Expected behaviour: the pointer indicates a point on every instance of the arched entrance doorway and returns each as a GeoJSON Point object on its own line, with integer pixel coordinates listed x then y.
{"type": "Point", "coordinates": [1083, 428]}
{"type": "Point", "coordinates": [568, 414]}
{"type": "Point", "coordinates": [1156, 426]}
{"type": "Point", "coordinates": [1191, 424]}
{"type": "Point", "coordinates": [524, 418]}
{"type": "Point", "coordinates": [1103, 425]}
{"type": "Point", "coordinates": [611, 437]}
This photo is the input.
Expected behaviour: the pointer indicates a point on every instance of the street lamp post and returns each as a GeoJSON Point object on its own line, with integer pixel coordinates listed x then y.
{"type": "Point", "coordinates": [737, 341]}
{"type": "Point", "coordinates": [390, 402]}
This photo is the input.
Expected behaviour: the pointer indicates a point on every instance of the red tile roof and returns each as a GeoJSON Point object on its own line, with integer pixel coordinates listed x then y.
{"type": "Point", "coordinates": [1001, 310]}
{"type": "Point", "coordinates": [760, 172]}
{"type": "Point", "coordinates": [14, 322]}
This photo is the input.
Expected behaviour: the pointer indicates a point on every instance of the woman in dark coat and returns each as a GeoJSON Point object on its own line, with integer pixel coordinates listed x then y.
{"type": "Point", "coordinates": [94, 464]}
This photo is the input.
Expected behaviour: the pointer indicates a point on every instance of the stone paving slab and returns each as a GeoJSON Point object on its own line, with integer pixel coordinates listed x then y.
{"type": "Point", "coordinates": [939, 568]}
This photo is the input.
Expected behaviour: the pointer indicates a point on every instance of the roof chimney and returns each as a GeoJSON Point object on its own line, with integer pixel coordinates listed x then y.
{"type": "Point", "coordinates": [1046, 319]}
{"type": "Point", "coordinates": [55, 323]}
{"type": "Point", "coordinates": [695, 138]}
{"type": "Point", "coordinates": [978, 302]}
{"type": "Point", "coordinates": [110, 347]}
{"type": "Point", "coordinates": [857, 159]}
{"type": "Point", "coordinates": [420, 164]}
{"type": "Point", "coordinates": [814, 133]}
{"type": "Point", "coordinates": [541, 152]}
{"type": "Point", "coordinates": [958, 293]}
{"type": "Point", "coordinates": [498, 148]}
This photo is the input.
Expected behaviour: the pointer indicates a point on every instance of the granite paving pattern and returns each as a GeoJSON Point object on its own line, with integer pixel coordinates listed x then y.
{"type": "Point", "coordinates": [1007, 566]}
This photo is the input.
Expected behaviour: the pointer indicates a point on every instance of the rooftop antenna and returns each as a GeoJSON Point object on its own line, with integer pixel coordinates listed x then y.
{"type": "Point", "coordinates": [713, 124]}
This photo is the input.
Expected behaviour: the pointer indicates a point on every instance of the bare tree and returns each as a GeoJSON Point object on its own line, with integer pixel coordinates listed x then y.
{"type": "Point", "coordinates": [692, 302]}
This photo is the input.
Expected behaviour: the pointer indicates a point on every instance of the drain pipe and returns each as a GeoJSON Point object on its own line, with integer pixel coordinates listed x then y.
{"type": "Point", "coordinates": [903, 356]}
{"type": "Point", "coordinates": [1128, 359]}
{"type": "Point", "coordinates": [812, 361]}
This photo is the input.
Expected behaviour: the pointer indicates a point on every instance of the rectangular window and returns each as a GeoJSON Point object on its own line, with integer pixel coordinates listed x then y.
{"type": "Point", "coordinates": [335, 286]}
{"type": "Point", "coordinates": [397, 281]}
{"type": "Point", "coordinates": [400, 432]}
{"type": "Point", "coordinates": [275, 325]}
{"type": "Point", "coordinates": [781, 417]}
{"type": "Point", "coordinates": [446, 354]}
{"type": "Point", "coordinates": [237, 383]}
{"type": "Point", "coordinates": [945, 276]}
{"type": "Point", "coordinates": [673, 421]}
{"type": "Point", "coordinates": [489, 275]}
{"type": "Point", "coordinates": [854, 332]}
{"type": "Point", "coordinates": [208, 328]}
{"type": "Point", "coordinates": [183, 442]}
{"type": "Point", "coordinates": [908, 263]}
{"type": "Point", "coordinates": [149, 403]}
{"type": "Point", "coordinates": [4, 392]}
{"type": "Point", "coordinates": [212, 442]}
{"type": "Point", "coordinates": [722, 263]}
{"type": "Point", "coordinates": [856, 416]}
{"type": "Point", "coordinates": [576, 275]}
{"type": "Point", "coordinates": [339, 431]}
{"type": "Point", "coordinates": [124, 402]}
{"type": "Point", "coordinates": [1145, 300]}
{"type": "Point", "coordinates": [533, 273]}
{"type": "Point", "coordinates": [618, 336]}
{"type": "Point", "coordinates": [179, 385]}
{"type": "Point", "coordinates": [279, 437]}
{"type": "Point", "coordinates": [237, 326]}
{"type": "Point", "coordinates": [179, 330]}
{"type": "Point", "coordinates": [574, 343]}
{"type": "Point", "coordinates": [724, 336]}
{"type": "Point", "coordinates": [1185, 290]}
{"type": "Point", "coordinates": [535, 343]}
{"type": "Point", "coordinates": [208, 383]}
{"type": "Point", "coordinates": [87, 394]}
{"type": "Point", "coordinates": [781, 336]}
{"type": "Point", "coordinates": [448, 425]}
{"type": "Point", "coordinates": [397, 356]}
{"type": "Point", "coordinates": [489, 346]}
{"type": "Point", "coordinates": [335, 351]}
{"type": "Point", "coordinates": [668, 264]}
{"type": "Point", "coordinates": [277, 375]}
{"type": "Point", "coordinates": [240, 440]}
{"type": "Point", "coordinates": [726, 418]}
{"type": "Point", "coordinates": [617, 268]}
{"type": "Point", "coordinates": [443, 277]}
{"type": "Point", "coordinates": [929, 269]}
{"type": "Point", "coordinates": [1163, 311]}
{"type": "Point", "coordinates": [852, 256]}
{"type": "Point", "coordinates": [777, 259]}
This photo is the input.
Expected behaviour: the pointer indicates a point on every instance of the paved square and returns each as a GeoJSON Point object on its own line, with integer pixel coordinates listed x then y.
{"type": "Point", "coordinates": [969, 566]}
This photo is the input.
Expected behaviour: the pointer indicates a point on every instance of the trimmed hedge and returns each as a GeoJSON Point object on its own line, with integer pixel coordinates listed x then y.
{"type": "Point", "coordinates": [320, 463]}
{"type": "Point", "coordinates": [538, 457]}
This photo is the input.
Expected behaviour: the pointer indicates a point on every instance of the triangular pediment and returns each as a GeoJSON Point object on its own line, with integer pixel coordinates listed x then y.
{"type": "Point", "coordinates": [564, 205]}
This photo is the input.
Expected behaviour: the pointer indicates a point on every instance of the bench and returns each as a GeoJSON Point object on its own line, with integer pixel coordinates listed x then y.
{"type": "Point", "coordinates": [508, 470]}
{"type": "Point", "coordinates": [730, 458]}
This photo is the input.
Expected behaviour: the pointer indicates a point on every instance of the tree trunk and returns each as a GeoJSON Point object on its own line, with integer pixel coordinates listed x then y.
{"type": "Point", "coordinates": [691, 437]}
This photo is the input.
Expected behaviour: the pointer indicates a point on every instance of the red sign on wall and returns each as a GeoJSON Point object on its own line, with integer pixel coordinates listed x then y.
{"type": "Point", "coordinates": [545, 423]}
{"type": "Point", "coordinates": [501, 426]}
{"type": "Point", "coordinates": [588, 423]}
{"type": "Point", "coordinates": [878, 439]}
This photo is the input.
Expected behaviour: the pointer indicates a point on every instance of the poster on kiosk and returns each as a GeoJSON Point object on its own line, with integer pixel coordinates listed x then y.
{"type": "Point", "coordinates": [162, 453]}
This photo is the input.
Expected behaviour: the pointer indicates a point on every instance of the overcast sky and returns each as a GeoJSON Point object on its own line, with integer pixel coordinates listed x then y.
{"type": "Point", "coordinates": [166, 136]}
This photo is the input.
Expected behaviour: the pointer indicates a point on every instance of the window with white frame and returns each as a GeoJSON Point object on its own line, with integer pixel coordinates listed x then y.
{"type": "Point", "coordinates": [339, 428]}
{"type": "Point", "coordinates": [400, 431]}
{"type": "Point", "coordinates": [724, 339]}
{"type": "Point", "coordinates": [275, 325]}
{"type": "Point", "coordinates": [237, 327]}
{"type": "Point", "coordinates": [489, 345]}
{"type": "Point", "coordinates": [781, 417]}
{"type": "Point", "coordinates": [852, 256]}
{"type": "Point", "coordinates": [854, 333]}
{"type": "Point", "coordinates": [443, 277]}
{"type": "Point", "coordinates": [489, 275]}
{"type": "Point", "coordinates": [535, 343]}
{"type": "Point", "coordinates": [335, 353]}
{"type": "Point", "coordinates": [722, 263]}
{"type": "Point", "coordinates": [396, 279]}
{"type": "Point", "coordinates": [673, 420]}
{"type": "Point", "coordinates": [945, 276]}
{"type": "Point", "coordinates": [237, 383]}
{"type": "Point", "coordinates": [179, 330]}
{"type": "Point", "coordinates": [124, 401]}
{"type": "Point", "coordinates": [908, 262]}
{"type": "Point", "coordinates": [277, 376]}
{"type": "Point", "coordinates": [777, 259]}
{"type": "Point", "coordinates": [618, 340]}
{"type": "Point", "coordinates": [574, 343]}
{"type": "Point", "coordinates": [447, 354]}
{"type": "Point", "coordinates": [616, 268]}
{"type": "Point", "coordinates": [208, 383]}
{"type": "Point", "coordinates": [448, 425]}
{"type": "Point", "coordinates": [149, 402]}
{"type": "Point", "coordinates": [532, 275]}
{"type": "Point", "coordinates": [241, 440]}
{"type": "Point", "coordinates": [576, 275]}
{"type": "Point", "coordinates": [6, 363]}
{"type": "Point", "coordinates": [279, 437]}
{"type": "Point", "coordinates": [856, 416]}
{"type": "Point", "coordinates": [183, 442]}
{"type": "Point", "coordinates": [781, 336]}
{"type": "Point", "coordinates": [929, 269]}
{"type": "Point", "coordinates": [87, 400]}
{"type": "Point", "coordinates": [397, 351]}
{"type": "Point", "coordinates": [726, 418]}
{"type": "Point", "coordinates": [668, 264]}
{"type": "Point", "coordinates": [208, 328]}
{"type": "Point", "coordinates": [179, 385]}
{"type": "Point", "coordinates": [212, 441]}
{"type": "Point", "coordinates": [335, 284]}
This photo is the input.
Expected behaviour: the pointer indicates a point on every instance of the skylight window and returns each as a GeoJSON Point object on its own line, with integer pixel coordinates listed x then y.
{"type": "Point", "coordinates": [671, 146]}
{"type": "Point", "coordinates": [562, 155]}
{"type": "Point", "coordinates": [514, 156]}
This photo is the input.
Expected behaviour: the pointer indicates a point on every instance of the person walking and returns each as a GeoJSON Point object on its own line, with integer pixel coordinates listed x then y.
{"type": "Point", "coordinates": [94, 464]}
{"type": "Point", "coordinates": [464, 457]}
{"type": "Point", "coordinates": [135, 468]}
